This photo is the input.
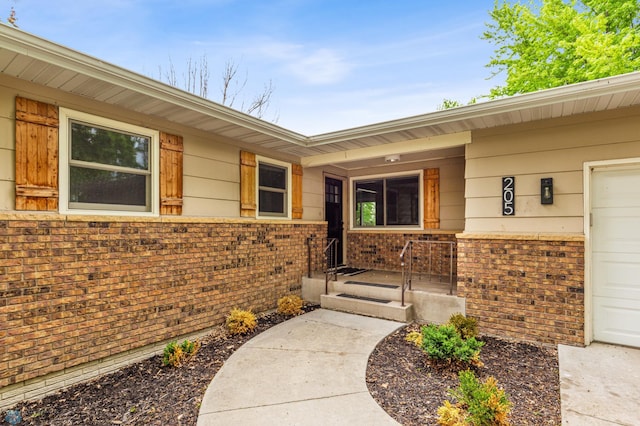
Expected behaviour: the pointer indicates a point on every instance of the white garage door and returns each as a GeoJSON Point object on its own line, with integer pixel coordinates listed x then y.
{"type": "Point", "coordinates": [615, 232]}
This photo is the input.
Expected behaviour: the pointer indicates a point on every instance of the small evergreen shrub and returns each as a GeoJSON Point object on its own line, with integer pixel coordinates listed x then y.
{"type": "Point", "coordinates": [240, 321]}
{"type": "Point", "coordinates": [290, 305]}
{"type": "Point", "coordinates": [443, 343]}
{"type": "Point", "coordinates": [175, 355]}
{"type": "Point", "coordinates": [479, 404]}
{"type": "Point", "coordinates": [466, 326]}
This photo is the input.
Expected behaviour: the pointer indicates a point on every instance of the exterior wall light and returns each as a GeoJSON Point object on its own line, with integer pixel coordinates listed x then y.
{"type": "Point", "coordinates": [546, 191]}
{"type": "Point", "coordinates": [392, 158]}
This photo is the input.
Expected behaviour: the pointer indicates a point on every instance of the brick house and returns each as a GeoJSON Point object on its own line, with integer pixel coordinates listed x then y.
{"type": "Point", "coordinates": [133, 213]}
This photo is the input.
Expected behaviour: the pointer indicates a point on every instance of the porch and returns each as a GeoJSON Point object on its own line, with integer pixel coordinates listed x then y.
{"type": "Point", "coordinates": [378, 293]}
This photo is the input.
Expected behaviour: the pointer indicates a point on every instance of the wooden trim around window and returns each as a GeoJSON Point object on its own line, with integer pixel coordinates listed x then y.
{"type": "Point", "coordinates": [171, 159]}
{"type": "Point", "coordinates": [296, 191]}
{"type": "Point", "coordinates": [431, 180]}
{"type": "Point", "coordinates": [36, 155]}
{"type": "Point", "coordinates": [247, 184]}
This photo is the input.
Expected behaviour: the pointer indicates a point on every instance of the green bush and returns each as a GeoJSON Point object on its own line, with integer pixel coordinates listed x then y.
{"type": "Point", "coordinates": [466, 326]}
{"type": "Point", "coordinates": [175, 355]}
{"type": "Point", "coordinates": [479, 404]}
{"type": "Point", "coordinates": [241, 322]}
{"type": "Point", "coordinates": [443, 343]}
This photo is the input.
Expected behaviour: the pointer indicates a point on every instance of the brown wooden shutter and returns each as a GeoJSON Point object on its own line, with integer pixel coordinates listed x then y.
{"type": "Point", "coordinates": [247, 184]}
{"type": "Point", "coordinates": [36, 155]}
{"type": "Point", "coordinates": [296, 191]}
{"type": "Point", "coordinates": [431, 198]}
{"type": "Point", "coordinates": [171, 153]}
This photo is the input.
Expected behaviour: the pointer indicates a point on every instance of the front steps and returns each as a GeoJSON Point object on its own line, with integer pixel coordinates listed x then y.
{"type": "Point", "coordinates": [370, 299]}
{"type": "Point", "coordinates": [382, 300]}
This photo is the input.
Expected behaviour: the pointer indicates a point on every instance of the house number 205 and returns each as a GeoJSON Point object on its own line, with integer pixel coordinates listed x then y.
{"type": "Point", "coordinates": [508, 196]}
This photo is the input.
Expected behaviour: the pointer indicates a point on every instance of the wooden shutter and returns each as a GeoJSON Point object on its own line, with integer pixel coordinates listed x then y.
{"type": "Point", "coordinates": [171, 153]}
{"type": "Point", "coordinates": [296, 191]}
{"type": "Point", "coordinates": [36, 155]}
{"type": "Point", "coordinates": [247, 184]}
{"type": "Point", "coordinates": [431, 198]}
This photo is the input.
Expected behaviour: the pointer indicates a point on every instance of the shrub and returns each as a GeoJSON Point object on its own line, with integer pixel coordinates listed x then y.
{"type": "Point", "coordinates": [467, 327]}
{"type": "Point", "coordinates": [443, 343]}
{"type": "Point", "coordinates": [414, 337]}
{"type": "Point", "coordinates": [175, 355]}
{"type": "Point", "coordinates": [290, 305]}
{"type": "Point", "coordinates": [479, 404]}
{"type": "Point", "coordinates": [240, 321]}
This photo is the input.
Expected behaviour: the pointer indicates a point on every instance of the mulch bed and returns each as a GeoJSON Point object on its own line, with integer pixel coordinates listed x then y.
{"type": "Point", "coordinates": [398, 378]}
{"type": "Point", "coordinates": [410, 389]}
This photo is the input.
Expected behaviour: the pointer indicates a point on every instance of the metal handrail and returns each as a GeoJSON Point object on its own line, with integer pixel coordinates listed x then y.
{"type": "Point", "coordinates": [407, 267]}
{"type": "Point", "coordinates": [407, 246]}
{"type": "Point", "coordinates": [330, 248]}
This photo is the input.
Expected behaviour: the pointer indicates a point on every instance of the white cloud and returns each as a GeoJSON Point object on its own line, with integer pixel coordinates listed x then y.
{"type": "Point", "coordinates": [323, 66]}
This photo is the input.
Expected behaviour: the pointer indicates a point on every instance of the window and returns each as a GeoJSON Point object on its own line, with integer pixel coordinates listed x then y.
{"type": "Point", "coordinates": [387, 201]}
{"type": "Point", "coordinates": [107, 166]}
{"type": "Point", "coordinates": [273, 188]}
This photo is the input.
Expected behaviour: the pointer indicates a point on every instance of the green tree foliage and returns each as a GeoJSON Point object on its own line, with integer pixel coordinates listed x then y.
{"type": "Point", "coordinates": [550, 43]}
{"type": "Point", "coordinates": [454, 103]}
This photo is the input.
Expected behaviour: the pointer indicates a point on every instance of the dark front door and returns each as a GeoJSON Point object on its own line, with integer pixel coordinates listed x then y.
{"type": "Point", "coordinates": [333, 211]}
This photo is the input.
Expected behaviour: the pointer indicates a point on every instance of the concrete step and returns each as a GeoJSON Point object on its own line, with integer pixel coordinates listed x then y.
{"type": "Point", "coordinates": [365, 305]}
{"type": "Point", "coordinates": [367, 289]}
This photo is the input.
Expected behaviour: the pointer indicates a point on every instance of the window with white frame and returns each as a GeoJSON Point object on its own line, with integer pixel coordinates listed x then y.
{"type": "Point", "coordinates": [389, 201]}
{"type": "Point", "coordinates": [106, 165]}
{"type": "Point", "coordinates": [274, 195]}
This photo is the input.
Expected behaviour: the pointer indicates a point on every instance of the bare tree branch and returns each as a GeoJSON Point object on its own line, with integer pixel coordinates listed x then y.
{"type": "Point", "coordinates": [196, 80]}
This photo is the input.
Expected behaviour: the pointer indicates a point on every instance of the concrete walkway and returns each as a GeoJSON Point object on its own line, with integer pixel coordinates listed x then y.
{"type": "Point", "coordinates": [309, 370]}
{"type": "Point", "coordinates": [599, 385]}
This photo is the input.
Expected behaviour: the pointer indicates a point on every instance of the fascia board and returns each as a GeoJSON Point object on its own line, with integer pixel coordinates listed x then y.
{"type": "Point", "coordinates": [48, 52]}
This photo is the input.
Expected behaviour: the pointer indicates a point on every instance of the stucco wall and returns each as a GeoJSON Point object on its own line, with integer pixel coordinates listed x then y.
{"type": "Point", "coordinates": [552, 148]}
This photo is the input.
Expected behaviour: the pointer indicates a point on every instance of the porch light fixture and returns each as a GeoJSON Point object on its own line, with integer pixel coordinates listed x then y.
{"type": "Point", "coordinates": [392, 158]}
{"type": "Point", "coordinates": [546, 191]}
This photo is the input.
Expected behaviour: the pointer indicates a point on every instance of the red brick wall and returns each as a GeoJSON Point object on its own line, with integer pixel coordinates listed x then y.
{"type": "Point", "coordinates": [381, 250]}
{"type": "Point", "coordinates": [530, 289]}
{"type": "Point", "coordinates": [74, 291]}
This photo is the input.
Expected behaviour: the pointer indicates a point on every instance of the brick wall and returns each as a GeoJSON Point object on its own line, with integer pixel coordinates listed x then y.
{"type": "Point", "coordinates": [531, 289]}
{"type": "Point", "coordinates": [74, 290]}
{"type": "Point", "coordinates": [381, 250]}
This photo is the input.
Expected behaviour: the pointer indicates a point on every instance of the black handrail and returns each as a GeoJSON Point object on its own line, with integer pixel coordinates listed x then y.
{"type": "Point", "coordinates": [330, 253]}
{"type": "Point", "coordinates": [407, 247]}
{"type": "Point", "coordinates": [407, 266]}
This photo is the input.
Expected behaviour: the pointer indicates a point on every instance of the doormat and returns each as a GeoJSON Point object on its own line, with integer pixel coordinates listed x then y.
{"type": "Point", "coordinates": [392, 286]}
{"type": "Point", "coordinates": [368, 299]}
{"type": "Point", "coordinates": [349, 272]}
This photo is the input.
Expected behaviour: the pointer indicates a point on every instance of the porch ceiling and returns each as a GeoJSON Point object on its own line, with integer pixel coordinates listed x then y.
{"type": "Point", "coordinates": [39, 61]}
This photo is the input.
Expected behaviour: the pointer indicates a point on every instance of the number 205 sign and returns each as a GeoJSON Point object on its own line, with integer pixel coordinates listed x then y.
{"type": "Point", "coordinates": [508, 196]}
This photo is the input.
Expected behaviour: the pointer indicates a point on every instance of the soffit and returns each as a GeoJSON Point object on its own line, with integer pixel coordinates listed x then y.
{"type": "Point", "coordinates": [30, 58]}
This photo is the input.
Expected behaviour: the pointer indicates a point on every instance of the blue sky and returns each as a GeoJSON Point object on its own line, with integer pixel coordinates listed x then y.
{"type": "Point", "coordinates": [334, 64]}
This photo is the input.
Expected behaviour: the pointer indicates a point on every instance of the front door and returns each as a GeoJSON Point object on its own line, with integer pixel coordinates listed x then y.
{"type": "Point", "coordinates": [333, 211]}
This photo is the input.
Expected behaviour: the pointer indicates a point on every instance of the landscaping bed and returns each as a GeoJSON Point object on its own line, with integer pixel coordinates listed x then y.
{"type": "Point", "coordinates": [398, 377]}
{"type": "Point", "coordinates": [410, 389]}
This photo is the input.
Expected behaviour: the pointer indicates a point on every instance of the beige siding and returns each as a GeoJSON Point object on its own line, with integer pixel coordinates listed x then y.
{"type": "Point", "coordinates": [7, 152]}
{"type": "Point", "coordinates": [553, 148]}
{"type": "Point", "coordinates": [451, 186]}
{"type": "Point", "coordinates": [211, 167]}
{"type": "Point", "coordinates": [313, 194]}
{"type": "Point", "coordinates": [7, 192]}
